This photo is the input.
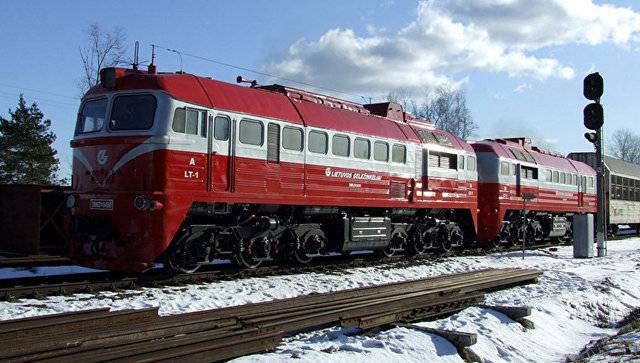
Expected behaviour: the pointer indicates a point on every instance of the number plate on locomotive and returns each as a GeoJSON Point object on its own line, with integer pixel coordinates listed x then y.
{"type": "Point", "coordinates": [101, 204]}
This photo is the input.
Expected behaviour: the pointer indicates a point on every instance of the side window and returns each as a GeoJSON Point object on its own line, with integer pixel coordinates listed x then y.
{"type": "Point", "coordinates": [381, 151]}
{"type": "Point", "coordinates": [179, 119]}
{"type": "Point", "coordinates": [590, 182]}
{"type": "Point", "coordinates": [547, 175]}
{"type": "Point", "coordinates": [221, 128]}
{"type": "Point", "coordinates": [504, 168]}
{"type": "Point", "coordinates": [251, 132]}
{"type": "Point", "coordinates": [442, 160]}
{"type": "Point", "coordinates": [191, 125]}
{"type": "Point", "coordinates": [318, 142]}
{"type": "Point", "coordinates": [399, 154]}
{"type": "Point", "coordinates": [203, 124]}
{"type": "Point", "coordinates": [529, 172]}
{"type": "Point", "coordinates": [471, 163]}
{"type": "Point", "coordinates": [562, 178]}
{"type": "Point", "coordinates": [292, 138]}
{"type": "Point", "coordinates": [556, 176]}
{"type": "Point", "coordinates": [460, 162]}
{"type": "Point", "coordinates": [186, 121]}
{"type": "Point", "coordinates": [362, 148]}
{"type": "Point", "coordinates": [340, 145]}
{"type": "Point", "coordinates": [273, 142]}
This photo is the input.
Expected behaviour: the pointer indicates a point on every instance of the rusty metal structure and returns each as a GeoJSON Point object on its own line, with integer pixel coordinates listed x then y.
{"type": "Point", "coordinates": [221, 334]}
{"type": "Point", "coordinates": [32, 220]}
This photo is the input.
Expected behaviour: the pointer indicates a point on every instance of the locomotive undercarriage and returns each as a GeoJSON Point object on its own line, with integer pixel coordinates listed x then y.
{"type": "Point", "coordinates": [533, 228]}
{"type": "Point", "coordinates": [250, 235]}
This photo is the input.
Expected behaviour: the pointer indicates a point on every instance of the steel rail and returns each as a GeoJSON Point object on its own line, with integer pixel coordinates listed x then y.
{"type": "Point", "coordinates": [38, 286]}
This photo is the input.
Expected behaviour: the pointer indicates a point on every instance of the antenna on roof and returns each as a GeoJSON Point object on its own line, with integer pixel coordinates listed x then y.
{"type": "Point", "coordinates": [135, 56]}
{"type": "Point", "coordinates": [253, 82]}
{"type": "Point", "coordinates": [152, 65]}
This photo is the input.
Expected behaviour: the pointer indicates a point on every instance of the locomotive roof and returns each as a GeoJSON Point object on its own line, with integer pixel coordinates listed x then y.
{"type": "Point", "coordinates": [510, 147]}
{"type": "Point", "coordinates": [384, 120]}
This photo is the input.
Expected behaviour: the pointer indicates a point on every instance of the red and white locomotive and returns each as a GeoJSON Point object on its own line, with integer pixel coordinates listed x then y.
{"type": "Point", "coordinates": [188, 169]}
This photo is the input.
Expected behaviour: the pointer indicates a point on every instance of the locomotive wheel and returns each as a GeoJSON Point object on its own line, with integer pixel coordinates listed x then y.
{"type": "Point", "coordinates": [301, 258]}
{"type": "Point", "coordinates": [456, 236]}
{"type": "Point", "coordinates": [179, 257]}
{"type": "Point", "coordinates": [417, 243]}
{"type": "Point", "coordinates": [243, 256]}
{"type": "Point", "coordinates": [398, 241]}
{"type": "Point", "coordinates": [387, 252]}
{"type": "Point", "coordinates": [444, 239]}
{"type": "Point", "coordinates": [313, 242]}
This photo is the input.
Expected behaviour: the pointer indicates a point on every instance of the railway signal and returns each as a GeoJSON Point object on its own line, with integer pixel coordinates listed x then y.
{"type": "Point", "coordinates": [593, 88]}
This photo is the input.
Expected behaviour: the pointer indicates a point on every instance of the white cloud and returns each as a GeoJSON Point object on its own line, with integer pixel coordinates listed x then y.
{"type": "Point", "coordinates": [522, 87]}
{"type": "Point", "coordinates": [450, 38]}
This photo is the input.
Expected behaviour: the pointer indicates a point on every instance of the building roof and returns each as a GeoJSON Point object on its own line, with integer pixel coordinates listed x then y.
{"type": "Point", "coordinates": [619, 166]}
{"type": "Point", "coordinates": [615, 165]}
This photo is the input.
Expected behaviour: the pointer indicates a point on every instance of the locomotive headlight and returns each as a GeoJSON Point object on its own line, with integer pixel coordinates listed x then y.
{"type": "Point", "coordinates": [72, 201]}
{"type": "Point", "coordinates": [141, 202]}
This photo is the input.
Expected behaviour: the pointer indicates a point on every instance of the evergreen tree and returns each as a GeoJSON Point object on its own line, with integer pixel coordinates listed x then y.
{"type": "Point", "coordinates": [26, 155]}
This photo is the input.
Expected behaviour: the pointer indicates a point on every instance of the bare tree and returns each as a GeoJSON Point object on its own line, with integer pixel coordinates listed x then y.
{"type": "Point", "coordinates": [625, 145]}
{"type": "Point", "coordinates": [103, 49]}
{"type": "Point", "coordinates": [444, 106]}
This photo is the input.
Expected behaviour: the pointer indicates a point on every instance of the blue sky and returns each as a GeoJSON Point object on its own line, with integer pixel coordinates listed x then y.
{"type": "Point", "coordinates": [520, 62]}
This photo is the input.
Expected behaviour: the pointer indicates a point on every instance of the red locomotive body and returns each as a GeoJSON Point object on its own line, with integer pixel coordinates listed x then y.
{"type": "Point", "coordinates": [192, 169]}
{"type": "Point", "coordinates": [512, 168]}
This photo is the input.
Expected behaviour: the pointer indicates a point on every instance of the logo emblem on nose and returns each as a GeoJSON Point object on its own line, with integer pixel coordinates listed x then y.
{"type": "Point", "coordinates": [102, 157]}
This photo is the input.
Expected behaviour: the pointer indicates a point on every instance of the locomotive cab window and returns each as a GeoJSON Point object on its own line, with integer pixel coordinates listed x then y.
{"type": "Point", "coordinates": [135, 112]}
{"type": "Point", "coordinates": [92, 116]}
{"type": "Point", "coordinates": [251, 132]}
{"type": "Point", "coordinates": [292, 138]}
{"type": "Point", "coordinates": [399, 154]}
{"type": "Point", "coordinates": [318, 142]}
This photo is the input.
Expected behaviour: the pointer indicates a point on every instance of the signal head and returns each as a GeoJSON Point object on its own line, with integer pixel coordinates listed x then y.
{"type": "Point", "coordinates": [592, 137]}
{"type": "Point", "coordinates": [593, 86]}
{"type": "Point", "coordinates": [593, 116]}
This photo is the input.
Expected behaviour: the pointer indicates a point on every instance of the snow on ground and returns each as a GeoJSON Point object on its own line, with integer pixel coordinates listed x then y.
{"type": "Point", "coordinates": [576, 301]}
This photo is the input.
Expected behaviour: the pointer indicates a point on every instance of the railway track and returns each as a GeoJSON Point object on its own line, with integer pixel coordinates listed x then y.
{"type": "Point", "coordinates": [33, 261]}
{"type": "Point", "coordinates": [220, 334]}
{"type": "Point", "coordinates": [40, 286]}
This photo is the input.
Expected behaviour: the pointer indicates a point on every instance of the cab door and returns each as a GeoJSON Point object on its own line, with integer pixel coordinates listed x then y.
{"type": "Point", "coordinates": [582, 187]}
{"type": "Point", "coordinates": [219, 153]}
{"type": "Point", "coordinates": [273, 158]}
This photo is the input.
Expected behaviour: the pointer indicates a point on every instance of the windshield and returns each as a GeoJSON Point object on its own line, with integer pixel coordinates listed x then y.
{"type": "Point", "coordinates": [134, 112]}
{"type": "Point", "coordinates": [91, 118]}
